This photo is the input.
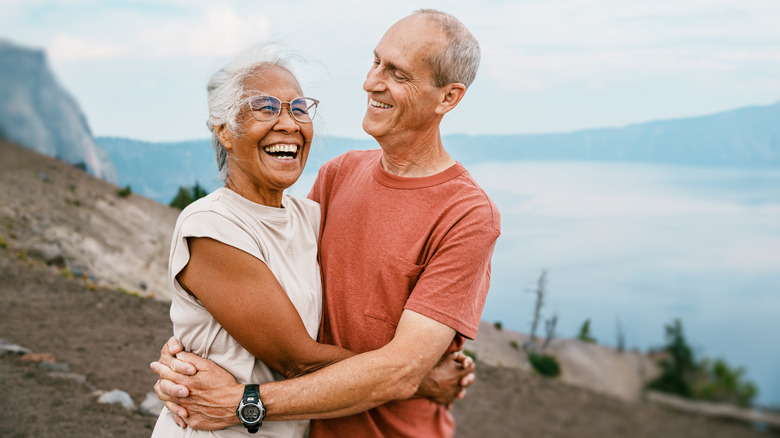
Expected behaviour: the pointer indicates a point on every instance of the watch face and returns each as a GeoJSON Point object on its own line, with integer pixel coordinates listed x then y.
{"type": "Point", "coordinates": [250, 413]}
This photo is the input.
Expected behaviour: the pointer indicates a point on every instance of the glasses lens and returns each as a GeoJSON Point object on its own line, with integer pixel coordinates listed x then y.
{"type": "Point", "coordinates": [265, 108]}
{"type": "Point", "coordinates": [303, 109]}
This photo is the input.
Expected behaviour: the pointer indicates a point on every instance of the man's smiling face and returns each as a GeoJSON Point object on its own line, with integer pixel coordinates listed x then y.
{"type": "Point", "coordinates": [402, 96]}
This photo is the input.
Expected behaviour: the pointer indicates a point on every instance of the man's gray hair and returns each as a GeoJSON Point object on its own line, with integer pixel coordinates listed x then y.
{"type": "Point", "coordinates": [226, 91]}
{"type": "Point", "coordinates": [459, 60]}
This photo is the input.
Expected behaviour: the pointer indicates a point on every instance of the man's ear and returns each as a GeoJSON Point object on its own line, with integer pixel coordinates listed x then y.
{"type": "Point", "coordinates": [452, 94]}
{"type": "Point", "coordinates": [224, 135]}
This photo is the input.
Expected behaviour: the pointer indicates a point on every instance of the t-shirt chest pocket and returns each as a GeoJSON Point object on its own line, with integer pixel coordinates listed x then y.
{"type": "Point", "coordinates": [393, 282]}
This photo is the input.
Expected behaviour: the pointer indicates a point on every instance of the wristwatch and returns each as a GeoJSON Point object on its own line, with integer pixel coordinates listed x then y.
{"type": "Point", "coordinates": [251, 410]}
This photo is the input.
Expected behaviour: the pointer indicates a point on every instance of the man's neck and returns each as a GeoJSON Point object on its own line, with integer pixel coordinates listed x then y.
{"type": "Point", "coordinates": [424, 157]}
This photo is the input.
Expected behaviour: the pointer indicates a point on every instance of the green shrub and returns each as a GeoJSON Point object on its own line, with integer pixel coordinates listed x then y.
{"type": "Point", "coordinates": [3, 243]}
{"type": "Point", "coordinates": [678, 368]}
{"type": "Point", "coordinates": [718, 382]}
{"type": "Point", "coordinates": [710, 380]}
{"type": "Point", "coordinates": [470, 354]}
{"type": "Point", "coordinates": [132, 293]}
{"type": "Point", "coordinates": [498, 325]}
{"type": "Point", "coordinates": [545, 364]}
{"type": "Point", "coordinates": [124, 192]}
{"type": "Point", "coordinates": [187, 195]}
{"type": "Point", "coordinates": [514, 345]}
{"type": "Point", "coordinates": [584, 335]}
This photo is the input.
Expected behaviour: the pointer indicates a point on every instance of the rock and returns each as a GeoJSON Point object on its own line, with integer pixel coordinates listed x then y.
{"type": "Point", "coordinates": [78, 378]}
{"type": "Point", "coordinates": [6, 349]}
{"type": "Point", "coordinates": [152, 405]}
{"type": "Point", "coordinates": [39, 357]}
{"type": "Point", "coordinates": [49, 253]}
{"type": "Point", "coordinates": [51, 366]}
{"type": "Point", "coordinates": [117, 396]}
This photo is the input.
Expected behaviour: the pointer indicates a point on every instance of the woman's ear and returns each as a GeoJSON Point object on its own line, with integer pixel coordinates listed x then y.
{"type": "Point", "coordinates": [452, 94]}
{"type": "Point", "coordinates": [224, 135]}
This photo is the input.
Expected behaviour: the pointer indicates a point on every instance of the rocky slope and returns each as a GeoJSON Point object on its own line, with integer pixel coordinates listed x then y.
{"type": "Point", "coordinates": [54, 212]}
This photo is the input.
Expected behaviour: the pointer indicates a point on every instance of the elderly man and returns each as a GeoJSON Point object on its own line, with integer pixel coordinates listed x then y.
{"type": "Point", "coordinates": [405, 248]}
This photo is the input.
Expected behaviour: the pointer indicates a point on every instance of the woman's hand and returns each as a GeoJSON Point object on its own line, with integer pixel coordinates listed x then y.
{"type": "Point", "coordinates": [448, 380]}
{"type": "Point", "coordinates": [198, 392]}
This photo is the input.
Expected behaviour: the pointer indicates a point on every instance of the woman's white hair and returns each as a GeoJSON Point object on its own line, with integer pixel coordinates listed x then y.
{"type": "Point", "coordinates": [226, 91]}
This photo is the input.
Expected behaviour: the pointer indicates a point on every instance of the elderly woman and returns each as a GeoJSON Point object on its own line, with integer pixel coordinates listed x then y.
{"type": "Point", "coordinates": [245, 283]}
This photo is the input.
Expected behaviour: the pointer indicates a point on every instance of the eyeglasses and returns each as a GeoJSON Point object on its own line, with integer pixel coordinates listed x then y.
{"type": "Point", "coordinates": [266, 108]}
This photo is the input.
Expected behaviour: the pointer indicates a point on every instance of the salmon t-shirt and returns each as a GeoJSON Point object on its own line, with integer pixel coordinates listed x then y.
{"type": "Point", "coordinates": [389, 243]}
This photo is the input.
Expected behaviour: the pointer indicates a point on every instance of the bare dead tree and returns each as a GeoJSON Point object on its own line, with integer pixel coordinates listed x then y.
{"type": "Point", "coordinates": [621, 337]}
{"type": "Point", "coordinates": [549, 328]}
{"type": "Point", "coordinates": [541, 290]}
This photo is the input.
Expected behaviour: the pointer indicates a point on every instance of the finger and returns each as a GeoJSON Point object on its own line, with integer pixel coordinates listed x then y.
{"type": "Point", "coordinates": [468, 362]}
{"type": "Point", "coordinates": [177, 411]}
{"type": "Point", "coordinates": [468, 380]}
{"type": "Point", "coordinates": [174, 346]}
{"type": "Point", "coordinates": [166, 357]}
{"type": "Point", "coordinates": [157, 390]}
{"type": "Point", "coordinates": [173, 390]}
{"type": "Point", "coordinates": [462, 394]}
{"type": "Point", "coordinates": [167, 374]}
{"type": "Point", "coordinates": [179, 420]}
{"type": "Point", "coordinates": [189, 364]}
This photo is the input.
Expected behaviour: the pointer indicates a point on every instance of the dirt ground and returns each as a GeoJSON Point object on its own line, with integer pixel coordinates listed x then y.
{"type": "Point", "coordinates": [110, 337]}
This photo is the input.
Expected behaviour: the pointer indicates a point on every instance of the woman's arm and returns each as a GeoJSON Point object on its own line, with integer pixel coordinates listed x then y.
{"type": "Point", "coordinates": [245, 298]}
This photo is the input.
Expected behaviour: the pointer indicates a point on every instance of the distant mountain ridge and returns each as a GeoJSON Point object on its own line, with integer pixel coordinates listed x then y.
{"type": "Point", "coordinates": [39, 114]}
{"type": "Point", "coordinates": [745, 137]}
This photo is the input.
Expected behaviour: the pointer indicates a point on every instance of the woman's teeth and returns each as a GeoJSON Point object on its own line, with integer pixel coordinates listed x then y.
{"type": "Point", "coordinates": [283, 151]}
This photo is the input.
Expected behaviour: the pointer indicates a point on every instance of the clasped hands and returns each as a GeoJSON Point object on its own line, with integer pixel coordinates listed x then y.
{"type": "Point", "coordinates": [202, 395]}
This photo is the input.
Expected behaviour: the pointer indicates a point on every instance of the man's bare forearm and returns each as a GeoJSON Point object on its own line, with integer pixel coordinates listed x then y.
{"type": "Point", "coordinates": [364, 381]}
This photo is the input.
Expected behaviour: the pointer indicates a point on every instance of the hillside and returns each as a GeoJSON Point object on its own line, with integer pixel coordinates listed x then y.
{"type": "Point", "coordinates": [68, 243]}
{"type": "Point", "coordinates": [54, 212]}
{"type": "Point", "coordinates": [109, 338]}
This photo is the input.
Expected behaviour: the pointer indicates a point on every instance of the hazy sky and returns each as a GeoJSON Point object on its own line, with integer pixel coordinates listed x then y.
{"type": "Point", "coordinates": [138, 68]}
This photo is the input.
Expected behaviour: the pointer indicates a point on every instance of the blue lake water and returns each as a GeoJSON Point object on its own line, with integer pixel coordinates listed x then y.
{"type": "Point", "coordinates": [643, 245]}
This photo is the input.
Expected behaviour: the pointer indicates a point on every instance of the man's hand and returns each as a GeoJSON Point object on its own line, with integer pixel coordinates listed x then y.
{"type": "Point", "coordinates": [198, 392]}
{"type": "Point", "coordinates": [449, 379]}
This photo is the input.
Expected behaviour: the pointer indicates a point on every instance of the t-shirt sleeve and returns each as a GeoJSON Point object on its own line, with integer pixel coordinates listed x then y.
{"type": "Point", "coordinates": [212, 225]}
{"type": "Point", "coordinates": [454, 284]}
{"type": "Point", "coordinates": [322, 183]}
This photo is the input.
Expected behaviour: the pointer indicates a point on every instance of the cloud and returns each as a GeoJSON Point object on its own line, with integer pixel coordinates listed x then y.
{"type": "Point", "coordinates": [214, 32]}
{"type": "Point", "coordinates": [563, 42]}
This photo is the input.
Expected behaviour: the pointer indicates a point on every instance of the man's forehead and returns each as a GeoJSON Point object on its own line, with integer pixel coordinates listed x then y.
{"type": "Point", "coordinates": [402, 46]}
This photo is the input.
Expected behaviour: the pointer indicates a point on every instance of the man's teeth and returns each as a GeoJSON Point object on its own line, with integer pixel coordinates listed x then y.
{"type": "Point", "coordinates": [279, 148]}
{"type": "Point", "coordinates": [379, 104]}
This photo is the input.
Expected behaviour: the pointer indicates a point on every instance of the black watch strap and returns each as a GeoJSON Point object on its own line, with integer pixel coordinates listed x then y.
{"type": "Point", "coordinates": [252, 390]}
{"type": "Point", "coordinates": [252, 397]}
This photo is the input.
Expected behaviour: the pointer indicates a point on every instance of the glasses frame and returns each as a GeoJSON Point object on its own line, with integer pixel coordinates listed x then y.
{"type": "Point", "coordinates": [281, 105]}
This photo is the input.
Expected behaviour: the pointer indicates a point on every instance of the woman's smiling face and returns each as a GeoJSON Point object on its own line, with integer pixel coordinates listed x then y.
{"type": "Point", "coordinates": [264, 158]}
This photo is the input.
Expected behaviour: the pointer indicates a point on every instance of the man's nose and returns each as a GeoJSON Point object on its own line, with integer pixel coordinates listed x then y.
{"type": "Point", "coordinates": [374, 80]}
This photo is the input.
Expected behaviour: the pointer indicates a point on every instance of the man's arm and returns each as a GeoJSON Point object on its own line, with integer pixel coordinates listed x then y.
{"type": "Point", "coordinates": [353, 385]}
{"type": "Point", "coordinates": [245, 298]}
